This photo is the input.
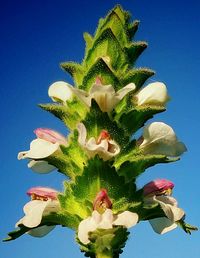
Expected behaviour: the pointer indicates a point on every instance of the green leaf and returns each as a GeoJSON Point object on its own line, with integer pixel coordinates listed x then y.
{"type": "Point", "coordinates": [100, 174]}
{"type": "Point", "coordinates": [137, 76]}
{"type": "Point", "coordinates": [132, 165]}
{"type": "Point", "coordinates": [134, 50]}
{"type": "Point", "coordinates": [107, 47]}
{"type": "Point", "coordinates": [115, 20]}
{"type": "Point", "coordinates": [71, 113]}
{"type": "Point", "coordinates": [96, 121]}
{"type": "Point", "coordinates": [89, 41]}
{"type": "Point", "coordinates": [186, 227]}
{"type": "Point", "coordinates": [132, 29]}
{"type": "Point", "coordinates": [133, 118]}
{"type": "Point", "coordinates": [16, 233]}
{"type": "Point", "coordinates": [102, 69]}
{"type": "Point", "coordinates": [64, 160]}
{"type": "Point", "coordinates": [75, 70]}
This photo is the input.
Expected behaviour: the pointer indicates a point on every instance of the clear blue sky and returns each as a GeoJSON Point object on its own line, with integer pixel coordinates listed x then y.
{"type": "Point", "coordinates": [35, 37]}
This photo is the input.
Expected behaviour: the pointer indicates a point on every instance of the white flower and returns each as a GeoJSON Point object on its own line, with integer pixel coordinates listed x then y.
{"type": "Point", "coordinates": [104, 95]}
{"type": "Point", "coordinates": [173, 213]}
{"type": "Point", "coordinates": [44, 201]}
{"type": "Point", "coordinates": [105, 147]}
{"type": "Point", "coordinates": [47, 143]}
{"type": "Point", "coordinates": [105, 221]}
{"type": "Point", "coordinates": [153, 94]}
{"type": "Point", "coordinates": [159, 138]}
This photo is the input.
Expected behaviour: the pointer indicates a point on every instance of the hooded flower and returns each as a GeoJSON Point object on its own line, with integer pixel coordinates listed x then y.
{"type": "Point", "coordinates": [158, 191]}
{"type": "Point", "coordinates": [43, 202]}
{"type": "Point", "coordinates": [104, 95]}
{"type": "Point", "coordinates": [159, 138]}
{"type": "Point", "coordinates": [153, 94]}
{"type": "Point", "coordinates": [102, 201]}
{"type": "Point", "coordinates": [46, 144]}
{"type": "Point", "coordinates": [105, 147]}
{"type": "Point", "coordinates": [105, 221]}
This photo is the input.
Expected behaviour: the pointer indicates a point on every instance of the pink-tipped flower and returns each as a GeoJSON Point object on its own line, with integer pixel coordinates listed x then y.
{"type": "Point", "coordinates": [102, 201]}
{"type": "Point", "coordinates": [50, 136]}
{"type": "Point", "coordinates": [159, 191]}
{"type": "Point", "coordinates": [43, 202]}
{"type": "Point", "coordinates": [42, 193]}
{"type": "Point", "coordinates": [158, 187]}
{"type": "Point", "coordinates": [46, 144]}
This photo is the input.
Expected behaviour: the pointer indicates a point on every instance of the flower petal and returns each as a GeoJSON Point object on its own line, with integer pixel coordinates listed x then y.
{"type": "Point", "coordinates": [39, 149]}
{"type": "Point", "coordinates": [40, 166]}
{"type": "Point", "coordinates": [107, 219]}
{"type": "Point", "coordinates": [162, 225]}
{"type": "Point", "coordinates": [60, 91]}
{"type": "Point", "coordinates": [33, 213]}
{"type": "Point", "coordinates": [104, 95]}
{"type": "Point", "coordinates": [126, 219]}
{"type": "Point", "coordinates": [40, 231]}
{"type": "Point", "coordinates": [87, 225]}
{"type": "Point", "coordinates": [50, 135]}
{"type": "Point", "coordinates": [82, 133]}
{"type": "Point", "coordinates": [159, 138]}
{"type": "Point", "coordinates": [154, 93]}
{"type": "Point", "coordinates": [125, 90]}
{"type": "Point", "coordinates": [171, 210]}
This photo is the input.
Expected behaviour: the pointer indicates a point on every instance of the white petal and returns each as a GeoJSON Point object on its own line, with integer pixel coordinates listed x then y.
{"type": "Point", "coordinates": [39, 149]}
{"type": "Point", "coordinates": [83, 96]}
{"type": "Point", "coordinates": [99, 88]}
{"type": "Point", "coordinates": [91, 145]}
{"type": "Point", "coordinates": [52, 206]}
{"type": "Point", "coordinates": [153, 93]}
{"type": "Point", "coordinates": [126, 219]}
{"type": "Point", "coordinates": [159, 138]}
{"type": "Point", "coordinates": [169, 206]}
{"type": "Point", "coordinates": [125, 90]}
{"type": "Point", "coordinates": [60, 91]}
{"type": "Point", "coordinates": [87, 225]}
{"type": "Point", "coordinates": [107, 219]}
{"type": "Point", "coordinates": [82, 133]}
{"type": "Point", "coordinates": [113, 147]}
{"type": "Point", "coordinates": [40, 231]}
{"type": "Point", "coordinates": [41, 166]}
{"type": "Point", "coordinates": [104, 95]}
{"type": "Point", "coordinates": [104, 150]}
{"type": "Point", "coordinates": [162, 225]}
{"type": "Point", "coordinates": [33, 213]}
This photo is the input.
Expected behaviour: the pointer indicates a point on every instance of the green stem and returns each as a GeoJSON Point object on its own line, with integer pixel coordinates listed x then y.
{"type": "Point", "coordinates": [104, 255]}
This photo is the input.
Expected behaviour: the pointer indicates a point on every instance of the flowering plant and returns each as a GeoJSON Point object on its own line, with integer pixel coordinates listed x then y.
{"type": "Point", "coordinates": [100, 157]}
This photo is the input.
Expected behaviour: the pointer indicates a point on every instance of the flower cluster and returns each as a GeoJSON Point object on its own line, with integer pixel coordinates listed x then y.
{"type": "Point", "coordinates": [101, 157]}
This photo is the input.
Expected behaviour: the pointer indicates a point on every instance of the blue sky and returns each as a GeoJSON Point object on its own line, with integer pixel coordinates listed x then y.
{"type": "Point", "coordinates": [35, 37]}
